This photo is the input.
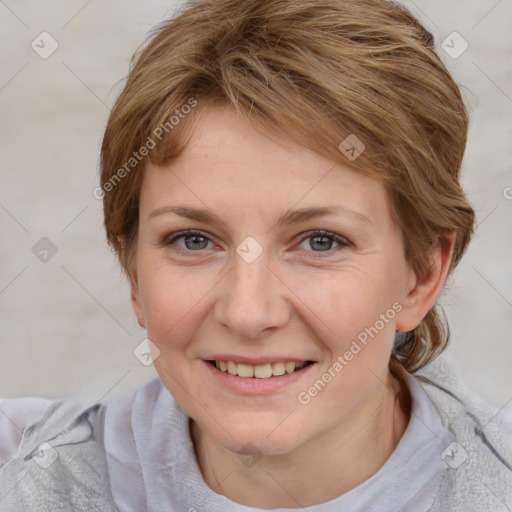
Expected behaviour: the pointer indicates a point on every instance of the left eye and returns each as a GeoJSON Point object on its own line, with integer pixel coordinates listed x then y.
{"type": "Point", "coordinates": [321, 241]}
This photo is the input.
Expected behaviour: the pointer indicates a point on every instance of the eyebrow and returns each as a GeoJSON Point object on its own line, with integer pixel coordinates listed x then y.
{"type": "Point", "coordinates": [285, 219]}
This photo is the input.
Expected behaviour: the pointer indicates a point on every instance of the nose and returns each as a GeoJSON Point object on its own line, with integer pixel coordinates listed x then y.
{"type": "Point", "coordinates": [252, 299]}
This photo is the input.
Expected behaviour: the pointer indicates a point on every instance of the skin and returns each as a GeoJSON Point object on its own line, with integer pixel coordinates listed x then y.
{"type": "Point", "coordinates": [300, 299]}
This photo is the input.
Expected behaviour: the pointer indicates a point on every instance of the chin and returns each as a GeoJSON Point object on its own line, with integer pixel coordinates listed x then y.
{"type": "Point", "coordinates": [245, 439]}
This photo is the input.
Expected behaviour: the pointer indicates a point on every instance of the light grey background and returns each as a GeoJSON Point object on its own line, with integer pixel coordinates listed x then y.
{"type": "Point", "coordinates": [66, 326]}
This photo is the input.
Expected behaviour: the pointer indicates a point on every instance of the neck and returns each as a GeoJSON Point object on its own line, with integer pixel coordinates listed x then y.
{"type": "Point", "coordinates": [321, 469]}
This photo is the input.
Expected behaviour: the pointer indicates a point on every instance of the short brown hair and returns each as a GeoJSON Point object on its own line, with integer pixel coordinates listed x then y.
{"type": "Point", "coordinates": [320, 71]}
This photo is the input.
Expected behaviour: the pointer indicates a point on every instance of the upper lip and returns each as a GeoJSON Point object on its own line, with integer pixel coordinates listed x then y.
{"type": "Point", "coordinates": [254, 361]}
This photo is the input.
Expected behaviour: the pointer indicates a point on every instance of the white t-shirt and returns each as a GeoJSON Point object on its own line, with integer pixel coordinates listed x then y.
{"type": "Point", "coordinates": [152, 465]}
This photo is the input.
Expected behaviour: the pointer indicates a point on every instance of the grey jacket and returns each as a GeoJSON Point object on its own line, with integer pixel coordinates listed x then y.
{"type": "Point", "coordinates": [61, 464]}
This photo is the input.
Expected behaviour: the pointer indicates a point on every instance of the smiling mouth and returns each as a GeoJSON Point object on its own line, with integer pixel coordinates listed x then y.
{"type": "Point", "coordinates": [260, 371]}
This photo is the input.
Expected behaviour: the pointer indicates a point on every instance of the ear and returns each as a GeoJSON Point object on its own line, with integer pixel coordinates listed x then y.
{"type": "Point", "coordinates": [137, 304]}
{"type": "Point", "coordinates": [424, 291]}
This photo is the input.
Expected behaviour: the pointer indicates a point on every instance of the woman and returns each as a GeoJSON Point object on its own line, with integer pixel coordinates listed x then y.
{"type": "Point", "coordinates": [281, 185]}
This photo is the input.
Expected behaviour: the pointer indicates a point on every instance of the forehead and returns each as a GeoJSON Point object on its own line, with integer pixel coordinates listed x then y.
{"type": "Point", "coordinates": [228, 163]}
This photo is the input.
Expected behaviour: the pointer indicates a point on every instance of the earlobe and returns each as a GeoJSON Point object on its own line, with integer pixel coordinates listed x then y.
{"type": "Point", "coordinates": [137, 305]}
{"type": "Point", "coordinates": [426, 290]}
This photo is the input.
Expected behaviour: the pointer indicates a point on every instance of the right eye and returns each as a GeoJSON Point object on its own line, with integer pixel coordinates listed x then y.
{"type": "Point", "coordinates": [193, 241]}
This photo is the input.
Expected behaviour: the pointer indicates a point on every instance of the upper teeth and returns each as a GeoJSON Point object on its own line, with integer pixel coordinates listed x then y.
{"type": "Point", "coordinates": [260, 371]}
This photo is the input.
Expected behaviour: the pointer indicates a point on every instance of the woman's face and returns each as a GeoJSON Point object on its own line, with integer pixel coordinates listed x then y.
{"type": "Point", "coordinates": [255, 287]}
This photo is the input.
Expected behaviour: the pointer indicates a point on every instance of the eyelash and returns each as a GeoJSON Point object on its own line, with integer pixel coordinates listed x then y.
{"type": "Point", "coordinates": [343, 242]}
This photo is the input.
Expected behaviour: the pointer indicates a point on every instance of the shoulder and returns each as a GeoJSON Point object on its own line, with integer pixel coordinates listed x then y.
{"type": "Point", "coordinates": [54, 450]}
{"type": "Point", "coordinates": [461, 408]}
{"type": "Point", "coordinates": [59, 453]}
{"type": "Point", "coordinates": [15, 415]}
{"type": "Point", "coordinates": [479, 462]}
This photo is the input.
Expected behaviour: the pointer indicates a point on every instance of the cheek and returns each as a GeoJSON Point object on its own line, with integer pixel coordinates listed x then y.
{"type": "Point", "coordinates": [173, 300]}
{"type": "Point", "coordinates": [359, 313]}
{"type": "Point", "coordinates": [348, 303]}
{"type": "Point", "coordinates": [357, 308]}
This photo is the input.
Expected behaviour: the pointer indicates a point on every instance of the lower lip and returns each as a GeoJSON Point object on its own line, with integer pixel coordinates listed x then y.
{"type": "Point", "coordinates": [255, 386]}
